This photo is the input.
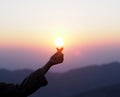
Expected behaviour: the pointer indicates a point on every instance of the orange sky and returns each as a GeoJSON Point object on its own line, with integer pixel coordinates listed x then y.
{"type": "Point", "coordinates": [25, 38]}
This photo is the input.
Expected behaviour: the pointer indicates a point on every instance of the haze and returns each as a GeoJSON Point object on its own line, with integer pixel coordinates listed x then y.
{"type": "Point", "coordinates": [28, 29]}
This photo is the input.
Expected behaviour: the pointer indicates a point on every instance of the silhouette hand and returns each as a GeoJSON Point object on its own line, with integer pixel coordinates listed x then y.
{"type": "Point", "coordinates": [57, 58]}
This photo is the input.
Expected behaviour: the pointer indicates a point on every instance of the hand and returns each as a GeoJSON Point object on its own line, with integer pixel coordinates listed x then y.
{"type": "Point", "coordinates": [57, 58]}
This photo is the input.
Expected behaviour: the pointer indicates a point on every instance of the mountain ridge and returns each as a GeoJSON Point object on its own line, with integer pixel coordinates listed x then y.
{"type": "Point", "coordinates": [73, 82]}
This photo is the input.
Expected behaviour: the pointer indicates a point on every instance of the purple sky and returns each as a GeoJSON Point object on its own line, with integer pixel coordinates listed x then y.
{"type": "Point", "coordinates": [74, 57]}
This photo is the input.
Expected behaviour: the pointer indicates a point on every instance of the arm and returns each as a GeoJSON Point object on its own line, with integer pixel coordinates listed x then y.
{"type": "Point", "coordinates": [57, 58]}
{"type": "Point", "coordinates": [36, 79]}
{"type": "Point", "coordinates": [8, 90]}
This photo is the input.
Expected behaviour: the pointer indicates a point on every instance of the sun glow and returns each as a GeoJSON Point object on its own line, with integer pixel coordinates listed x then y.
{"type": "Point", "coordinates": [59, 42]}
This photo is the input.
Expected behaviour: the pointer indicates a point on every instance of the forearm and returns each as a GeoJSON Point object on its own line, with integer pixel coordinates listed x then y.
{"type": "Point", "coordinates": [46, 67]}
{"type": "Point", "coordinates": [34, 81]}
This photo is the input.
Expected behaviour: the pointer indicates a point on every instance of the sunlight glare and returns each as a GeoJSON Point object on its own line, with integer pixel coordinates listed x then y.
{"type": "Point", "coordinates": [59, 42]}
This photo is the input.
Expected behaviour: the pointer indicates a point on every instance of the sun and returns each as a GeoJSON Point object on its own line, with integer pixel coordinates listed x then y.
{"type": "Point", "coordinates": [59, 42]}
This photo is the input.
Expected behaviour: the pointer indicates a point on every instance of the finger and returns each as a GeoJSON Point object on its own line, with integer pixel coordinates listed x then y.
{"type": "Point", "coordinates": [59, 49]}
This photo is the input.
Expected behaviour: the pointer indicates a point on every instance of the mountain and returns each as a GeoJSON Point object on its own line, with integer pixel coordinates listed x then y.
{"type": "Point", "coordinates": [13, 76]}
{"type": "Point", "coordinates": [70, 83]}
{"type": "Point", "coordinates": [108, 91]}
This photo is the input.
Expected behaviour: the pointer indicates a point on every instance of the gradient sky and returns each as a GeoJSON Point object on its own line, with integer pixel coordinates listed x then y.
{"type": "Point", "coordinates": [28, 28]}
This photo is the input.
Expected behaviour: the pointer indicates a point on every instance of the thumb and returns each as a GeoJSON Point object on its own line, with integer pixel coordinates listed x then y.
{"type": "Point", "coordinates": [59, 49]}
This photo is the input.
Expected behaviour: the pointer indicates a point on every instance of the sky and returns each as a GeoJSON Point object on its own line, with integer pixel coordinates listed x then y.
{"type": "Point", "coordinates": [28, 29]}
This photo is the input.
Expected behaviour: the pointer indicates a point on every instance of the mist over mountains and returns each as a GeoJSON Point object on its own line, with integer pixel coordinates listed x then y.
{"type": "Point", "coordinates": [74, 83]}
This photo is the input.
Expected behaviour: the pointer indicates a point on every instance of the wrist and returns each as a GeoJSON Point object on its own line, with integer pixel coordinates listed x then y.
{"type": "Point", "coordinates": [51, 63]}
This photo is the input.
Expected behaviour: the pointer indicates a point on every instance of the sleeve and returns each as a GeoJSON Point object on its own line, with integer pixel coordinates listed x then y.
{"type": "Point", "coordinates": [31, 84]}
{"type": "Point", "coordinates": [8, 90]}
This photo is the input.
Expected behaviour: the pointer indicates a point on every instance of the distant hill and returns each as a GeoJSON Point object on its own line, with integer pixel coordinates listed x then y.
{"type": "Point", "coordinates": [108, 91]}
{"type": "Point", "coordinates": [13, 76]}
{"type": "Point", "coordinates": [70, 83]}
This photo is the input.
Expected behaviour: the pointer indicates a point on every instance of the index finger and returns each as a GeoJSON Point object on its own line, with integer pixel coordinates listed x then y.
{"type": "Point", "coordinates": [59, 49]}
